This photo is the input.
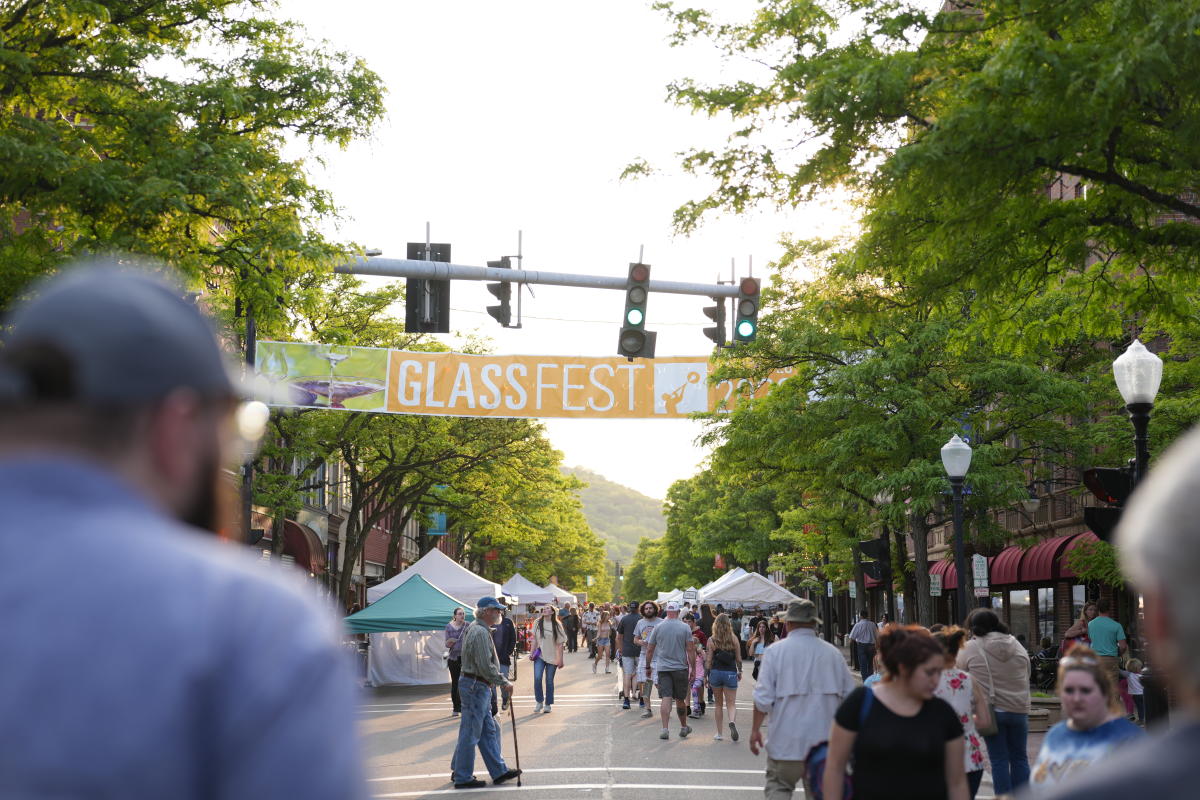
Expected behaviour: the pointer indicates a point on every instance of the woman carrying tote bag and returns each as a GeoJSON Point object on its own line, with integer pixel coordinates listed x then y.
{"type": "Point", "coordinates": [1000, 664]}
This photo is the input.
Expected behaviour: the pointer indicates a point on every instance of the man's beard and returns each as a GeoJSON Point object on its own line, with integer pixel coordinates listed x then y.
{"type": "Point", "coordinates": [648, 613]}
{"type": "Point", "coordinates": [210, 506]}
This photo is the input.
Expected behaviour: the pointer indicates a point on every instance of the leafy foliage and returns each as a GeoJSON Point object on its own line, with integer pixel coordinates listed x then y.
{"type": "Point", "coordinates": [619, 515]}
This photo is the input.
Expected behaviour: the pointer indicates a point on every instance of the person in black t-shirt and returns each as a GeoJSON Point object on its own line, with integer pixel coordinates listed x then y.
{"type": "Point", "coordinates": [910, 744]}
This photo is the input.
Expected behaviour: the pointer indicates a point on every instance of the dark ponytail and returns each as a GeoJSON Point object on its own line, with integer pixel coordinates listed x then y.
{"type": "Point", "coordinates": [951, 638]}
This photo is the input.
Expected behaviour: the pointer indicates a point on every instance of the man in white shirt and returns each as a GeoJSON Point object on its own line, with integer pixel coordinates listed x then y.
{"type": "Point", "coordinates": [591, 620]}
{"type": "Point", "coordinates": [802, 681]}
{"type": "Point", "coordinates": [863, 634]}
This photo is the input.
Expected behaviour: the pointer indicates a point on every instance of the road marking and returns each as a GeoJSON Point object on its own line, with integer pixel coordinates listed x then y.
{"type": "Point", "coordinates": [592, 769]}
{"type": "Point", "coordinates": [577, 787]}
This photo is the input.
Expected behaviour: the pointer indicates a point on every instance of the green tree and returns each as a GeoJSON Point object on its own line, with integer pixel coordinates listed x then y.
{"type": "Point", "coordinates": [160, 128]}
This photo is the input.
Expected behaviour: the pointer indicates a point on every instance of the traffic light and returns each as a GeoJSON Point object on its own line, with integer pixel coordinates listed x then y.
{"type": "Point", "coordinates": [717, 315]}
{"type": "Point", "coordinates": [427, 302]}
{"type": "Point", "coordinates": [635, 341]}
{"type": "Point", "coordinates": [502, 291]}
{"type": "Point", "coordinates": [876, 549]}
{"type": "Point", "coordinates": [1112, 486]}
{"type": "Point", "coordinates": [745, 312]}
{"type": "Point", "coordinates": [873, 569]}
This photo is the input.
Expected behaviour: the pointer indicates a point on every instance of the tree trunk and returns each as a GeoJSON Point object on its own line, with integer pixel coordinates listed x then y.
{"type": "Point", "coordinates": [919, 526]}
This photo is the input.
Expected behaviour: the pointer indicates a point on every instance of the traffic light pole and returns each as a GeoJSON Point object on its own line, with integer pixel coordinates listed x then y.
{"type": "Point", "coordinates": [439, 270]}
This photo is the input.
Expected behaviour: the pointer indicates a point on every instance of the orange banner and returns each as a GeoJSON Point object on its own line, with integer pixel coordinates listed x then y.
{"type": "Point", "coordinates": [457, 384]}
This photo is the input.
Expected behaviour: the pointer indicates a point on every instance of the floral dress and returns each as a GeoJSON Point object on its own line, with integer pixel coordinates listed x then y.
{"type": "Point", "coordinates": [957, 689]}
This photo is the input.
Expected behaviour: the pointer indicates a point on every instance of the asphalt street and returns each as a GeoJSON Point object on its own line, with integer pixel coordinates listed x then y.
{"type": "Point", "coordinates": [586, 747]}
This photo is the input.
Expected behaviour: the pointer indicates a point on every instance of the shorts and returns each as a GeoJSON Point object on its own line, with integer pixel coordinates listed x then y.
{"type": "Point", "coordinates": [722, 678]}
{"type": "Point", "coordinates": [673, 683]}
{"type": "Point", "coordinates": [602, 642]}
{"type": "Point", "coordinates": [641, 671]}
{"type": "Point", "coordinates": [630, 664]}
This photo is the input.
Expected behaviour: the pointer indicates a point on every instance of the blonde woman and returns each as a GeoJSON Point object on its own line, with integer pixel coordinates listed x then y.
{"type": "Point", "coordinates": [723, 667]}
{"type": "Point", "coordinates": [604, 636]}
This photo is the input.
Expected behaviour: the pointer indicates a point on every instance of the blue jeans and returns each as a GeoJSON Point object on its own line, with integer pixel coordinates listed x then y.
{"type": "Point", "coordinates": [540, 668]}
{"type": "Point", "coordinates": [476, 728]}
{"type": "Point", "coordinates": [1006, 751]}
{"type": "Point", "coordinates": [866, 657]}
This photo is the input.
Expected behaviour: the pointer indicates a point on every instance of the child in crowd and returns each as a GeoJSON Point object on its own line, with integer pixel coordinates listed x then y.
{"type": "Point", "coordinates": [698, 705]}
{"type": "Point", "coordinates": [1132, 675]}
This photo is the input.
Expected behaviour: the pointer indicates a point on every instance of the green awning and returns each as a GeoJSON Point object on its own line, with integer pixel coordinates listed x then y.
{"type": "Point", "coordinates": [415, 605]}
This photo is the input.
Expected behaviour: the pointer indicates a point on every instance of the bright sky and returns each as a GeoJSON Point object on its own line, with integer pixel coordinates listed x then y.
{"type": "Point", "coordinates": [507, 116]}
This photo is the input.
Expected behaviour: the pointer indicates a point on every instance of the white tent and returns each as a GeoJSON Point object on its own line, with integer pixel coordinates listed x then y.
{"type": "Point", "coordinates": [444, 573]}
{"type": "Point", "coordinates": [707, 589]}
{"type": "Point", "coordinates": [749, 591]}
{"type": "Point", "coordinates": [526, 591]}
{"type": "Point", "coordinates": [560, 595]}
{"type": "Point", "coordinates": [665, 596]}
{"type": "Point", "coordinates": [415, 657]}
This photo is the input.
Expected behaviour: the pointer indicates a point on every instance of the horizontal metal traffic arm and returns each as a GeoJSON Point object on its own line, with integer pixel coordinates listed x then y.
{"type": "Point", "coordinates": [439, 270]}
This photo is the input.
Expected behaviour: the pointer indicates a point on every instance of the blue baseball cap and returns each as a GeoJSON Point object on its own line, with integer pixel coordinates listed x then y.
{"type": "Point", "coordinates": [489, 602]}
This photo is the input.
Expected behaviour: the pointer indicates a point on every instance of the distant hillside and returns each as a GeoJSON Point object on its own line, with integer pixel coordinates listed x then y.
{"type": "Point", "coordinates": [618, 514]}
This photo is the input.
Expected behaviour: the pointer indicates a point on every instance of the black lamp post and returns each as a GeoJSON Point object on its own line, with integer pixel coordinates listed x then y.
{"type": "Point", "coordinates": [956, 458]}
{"type": "Point", "coordinates": [1138, 373]}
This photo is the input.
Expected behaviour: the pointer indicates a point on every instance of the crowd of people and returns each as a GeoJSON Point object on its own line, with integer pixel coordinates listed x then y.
{"type": "Point", "coordinates": [117, 451]}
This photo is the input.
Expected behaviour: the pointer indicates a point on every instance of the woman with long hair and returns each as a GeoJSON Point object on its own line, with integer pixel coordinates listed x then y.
{"type": "Point", "coordinates": [906, 744]}
{"type": "Point", "coordinates": [549, 639]}
{"type": "Point", "coordinates": [966, 697]}
{"type": "Point", "coordinates": [1078, 632]}
{"type": "Point", "coordinates": [1094, 721]}
{"type": "Point", "coordinates": [604, 635]}
{"type": "Point", "coordinates": [723, 665]}
{"type": "Point", "coordinates": [998, 662]}
{"type": "Point", "coordinates": [760, 640]}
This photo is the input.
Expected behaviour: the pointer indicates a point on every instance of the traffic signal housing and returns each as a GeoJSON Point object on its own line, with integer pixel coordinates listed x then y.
{"type": "Point", "coordinates": [502, 291]}
{"type": "Point", "coordinates": [635, 341]}
{"type": "Point", "coordinates": [745, 311]}
{"type": "Point", "coordinates": [717, 314]}
{"type": "Point", "coordinates": [1110, 485]}
{"type": "Point", "coordinates": [426, 301]}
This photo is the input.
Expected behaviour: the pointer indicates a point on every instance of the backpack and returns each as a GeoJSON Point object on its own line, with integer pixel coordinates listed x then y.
{"type": "Point", "coordinates": [814, 764]}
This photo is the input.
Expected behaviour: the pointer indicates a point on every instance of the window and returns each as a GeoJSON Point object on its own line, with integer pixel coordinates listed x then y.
{"type": "Point", "coordinates": [1078, 599]}
{"type": "Point", "coordinates": [1018, 616]}
{"type": "Point", "coordinates": [1045, 602]}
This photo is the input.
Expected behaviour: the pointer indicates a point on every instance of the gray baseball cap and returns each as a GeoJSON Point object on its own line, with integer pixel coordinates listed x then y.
{"type": "Point", "coordinates": [127, 334]}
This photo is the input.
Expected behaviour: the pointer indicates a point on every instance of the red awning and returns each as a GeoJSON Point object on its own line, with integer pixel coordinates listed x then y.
{"type": "Point", "coordinates": [302, 543]}
{"type": "Point", "coordinates": [1041, 563]}
{"type": "Point", "coordinates": [871, 583]}
{"type": "Point", "coordinates": [1086, 537]}
{"type": "Point", "coordinates": [1004, 568]}
{"type": "Point", "coordinates": [944, 568]}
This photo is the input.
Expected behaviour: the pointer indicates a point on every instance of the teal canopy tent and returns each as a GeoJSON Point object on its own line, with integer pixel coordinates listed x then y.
{"type": "Point", "coordinates": [415, 605]}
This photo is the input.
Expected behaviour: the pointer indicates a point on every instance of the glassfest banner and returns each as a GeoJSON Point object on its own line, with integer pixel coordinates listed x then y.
{"type": "Point", "coordinates": [457, 384]}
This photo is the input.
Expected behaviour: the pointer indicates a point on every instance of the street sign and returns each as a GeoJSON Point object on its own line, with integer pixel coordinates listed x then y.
{"type": "Point", "coordinates": [829, 588]}
{"type": "Point", "coordinates": [935, 585]}
{"type": "Point", "coordinates": [853, 590]}
{"type": "Point", "coordinates": [437, 524]}
{"type": "Point", "coordinates": [979, 568]}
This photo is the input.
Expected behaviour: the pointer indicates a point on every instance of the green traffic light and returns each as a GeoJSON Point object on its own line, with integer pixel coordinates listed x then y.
{"type": "Point", "coordinates": [745, 328]}
{"type": "Point", "coordinates": [634, 316]}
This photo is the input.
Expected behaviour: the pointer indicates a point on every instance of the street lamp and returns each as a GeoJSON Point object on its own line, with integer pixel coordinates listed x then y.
{"type": "Point", "coordinates": [1138, 373]}
{"type": "Point", "coordinates": [956, 458]}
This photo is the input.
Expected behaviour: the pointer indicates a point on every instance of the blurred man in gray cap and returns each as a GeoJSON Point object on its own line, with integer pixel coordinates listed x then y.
{"type": "Point", "coordinates": [800, 685]}
{"type": "Point", "coordinates": [146, 657]}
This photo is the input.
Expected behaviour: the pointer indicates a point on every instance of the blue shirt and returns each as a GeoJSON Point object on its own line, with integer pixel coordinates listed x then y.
{"type": "Point", "coordinates": [1105, 633]}
{"type": "Point", "coordinates": [143, 659]}
{"type": "Point", "coordinates": [1066, 752]}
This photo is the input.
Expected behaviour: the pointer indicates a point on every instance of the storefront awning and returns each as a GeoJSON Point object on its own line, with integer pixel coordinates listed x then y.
{"type": "Point", "coordinates": [1041, 563]}
{"type": "Point", "coordinates": [944, 569]}
{"type": "Point", "coordinates": [1005, 567]}
{"type": "Point", "coordinates": [302, 543]}
{"type": "Point", "coordinates": [1087, 537]}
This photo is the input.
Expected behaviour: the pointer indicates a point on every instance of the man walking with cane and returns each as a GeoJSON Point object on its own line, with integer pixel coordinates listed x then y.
{"type": "Point", "coordinates": [477, 727]}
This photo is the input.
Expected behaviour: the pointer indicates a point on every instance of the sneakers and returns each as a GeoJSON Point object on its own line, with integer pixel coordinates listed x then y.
{"type": "Point", "coordinates": [593, 667]}
{"type": "Point", "coordinates": [504, 705]}
{"type": "Point", "coordinates": [641, 702]}
{"type": "Point", "coordinates": [666, 734]}
{"type": "Point", "coordinates": [546, 710]}
{"type": "Point", "coordinates": [474, 783]}
{"type": "Point", "coordinates": [693, 715]}
{"type": "Point", "coordinates": [455, 713]}
{"type": "Point", "coordinates": [717, 738]}
{"type": "Point", "coordinates": [684, 731]}
{"type": "Point", "coordinates": [538, 710]}
{"type": "Point", "coordinates": [606, 671]}
{"type": "Point", "coordinates": [625, 704]}
{"type": "Point", "coordinates": [733, 734]}
{"type": "Point", "coordinates": [646, 713]}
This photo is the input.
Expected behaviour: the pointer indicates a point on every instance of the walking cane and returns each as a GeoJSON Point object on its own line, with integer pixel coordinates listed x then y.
{"type": "Point", "coordinates": [516, 750]}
